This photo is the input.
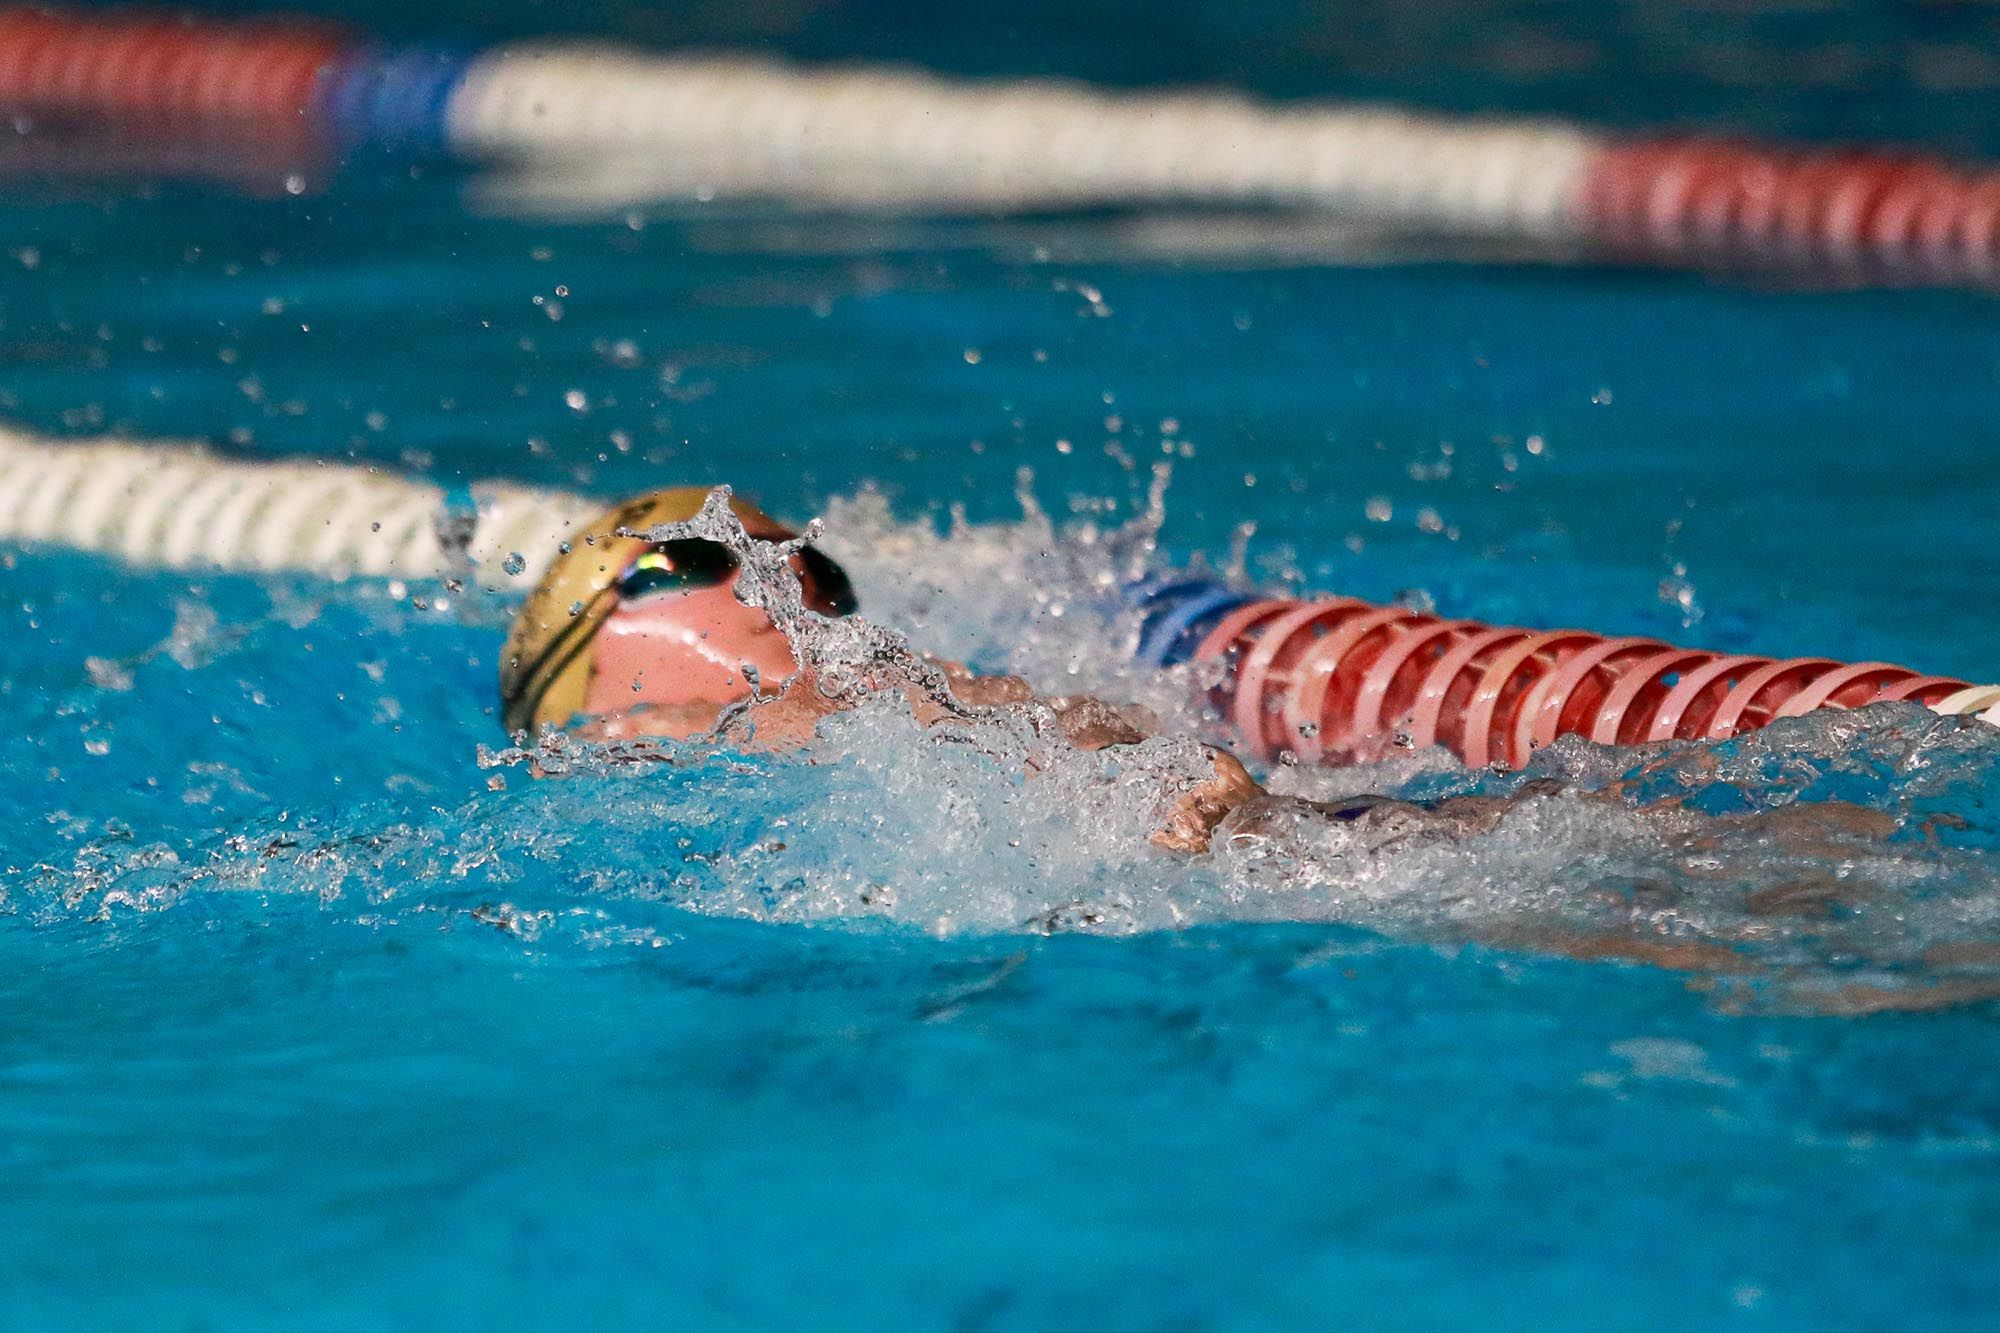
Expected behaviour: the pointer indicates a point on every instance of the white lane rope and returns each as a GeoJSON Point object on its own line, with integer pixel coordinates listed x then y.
{"type": "Point", "coordinates": [651, 124]}
{"type": "Point", "coordinates": [179, 507]}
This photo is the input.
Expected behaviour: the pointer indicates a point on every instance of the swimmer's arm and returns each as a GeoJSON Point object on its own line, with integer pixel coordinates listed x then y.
{"type": "Point", "coordinates": [1088, 722]}
{"type": "Point", "coordinates": [1091, 724]}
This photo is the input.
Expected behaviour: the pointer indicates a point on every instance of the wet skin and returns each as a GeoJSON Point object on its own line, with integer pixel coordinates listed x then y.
{"type": "Point", "coordinates": [679, 659]}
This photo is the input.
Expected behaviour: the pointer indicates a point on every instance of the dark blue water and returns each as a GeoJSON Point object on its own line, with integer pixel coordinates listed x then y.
{"type": "Point", "coordinates": [309, 1020]}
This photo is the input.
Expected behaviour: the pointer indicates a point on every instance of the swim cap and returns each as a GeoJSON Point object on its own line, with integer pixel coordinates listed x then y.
{"type": "Point", "coordinates": [545, 667]}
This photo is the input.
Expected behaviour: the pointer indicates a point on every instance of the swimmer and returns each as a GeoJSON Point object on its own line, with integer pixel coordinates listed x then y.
{"type": "Point", "coordinates": [627, 638]}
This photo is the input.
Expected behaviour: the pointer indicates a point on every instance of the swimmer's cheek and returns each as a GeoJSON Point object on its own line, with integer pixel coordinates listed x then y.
{"type": "Point", "coordinates": [786, 719]}
{"type": "Point", "coordinates": [1192, 822]}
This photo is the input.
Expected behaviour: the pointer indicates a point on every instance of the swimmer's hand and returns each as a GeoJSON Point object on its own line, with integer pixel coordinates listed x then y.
{"type": "Point", "coordinates": [1192, 821]}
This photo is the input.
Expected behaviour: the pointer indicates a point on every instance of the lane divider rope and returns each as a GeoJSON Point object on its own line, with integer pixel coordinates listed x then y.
{"type": "Point", "coordinates": [1336, 680]}
{"type": "Point", "coordinates": [622, 125]}
{"type": "Point", "coordinates": [1328, 680]}
{"type": "Point", "coordinates": [179, 507]}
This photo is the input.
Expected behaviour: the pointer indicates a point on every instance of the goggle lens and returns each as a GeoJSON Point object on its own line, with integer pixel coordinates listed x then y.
{"type": "Point", "coordinates": [691, 563]}
{"type": "Point", "coordinates": [676, 567]}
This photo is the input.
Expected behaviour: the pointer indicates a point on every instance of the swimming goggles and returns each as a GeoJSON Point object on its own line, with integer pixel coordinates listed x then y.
{"type": "Point", "coordinates": [690, 563]}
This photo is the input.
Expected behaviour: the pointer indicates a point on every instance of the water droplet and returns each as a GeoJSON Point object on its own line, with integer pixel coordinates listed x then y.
{"type": "Point", "coordinates": [514, 563]}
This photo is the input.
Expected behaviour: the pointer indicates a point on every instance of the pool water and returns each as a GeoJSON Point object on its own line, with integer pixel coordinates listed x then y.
{"type": "Point", "coordinates": [317, 1011]}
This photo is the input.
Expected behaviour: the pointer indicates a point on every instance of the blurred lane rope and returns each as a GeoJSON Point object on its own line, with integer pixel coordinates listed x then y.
{"type": "Point", "coordinates": [172, 505]}
{"type": "Point", "coordinates": [586, 128]}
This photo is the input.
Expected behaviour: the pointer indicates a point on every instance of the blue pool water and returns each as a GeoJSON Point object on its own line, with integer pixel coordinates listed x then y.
{"type": "Point", "coordinates": [313, 1014]}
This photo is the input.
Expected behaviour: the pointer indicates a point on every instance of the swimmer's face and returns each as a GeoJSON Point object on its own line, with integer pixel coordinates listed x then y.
{"type": "Point", "coordinates": [679, 642]}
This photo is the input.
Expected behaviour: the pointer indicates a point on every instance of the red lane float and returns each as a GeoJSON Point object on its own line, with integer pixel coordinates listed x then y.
{"type": "Point", "coordinates": [164, 71]}
{"type": "Point", "coordinates": [1708, 202]}
{"type": "Point", "coordinates": [1340, 680]}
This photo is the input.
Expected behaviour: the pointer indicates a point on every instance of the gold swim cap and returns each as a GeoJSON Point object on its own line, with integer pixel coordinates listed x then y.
{"type": "Point", "coordinates": [545, 667]}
